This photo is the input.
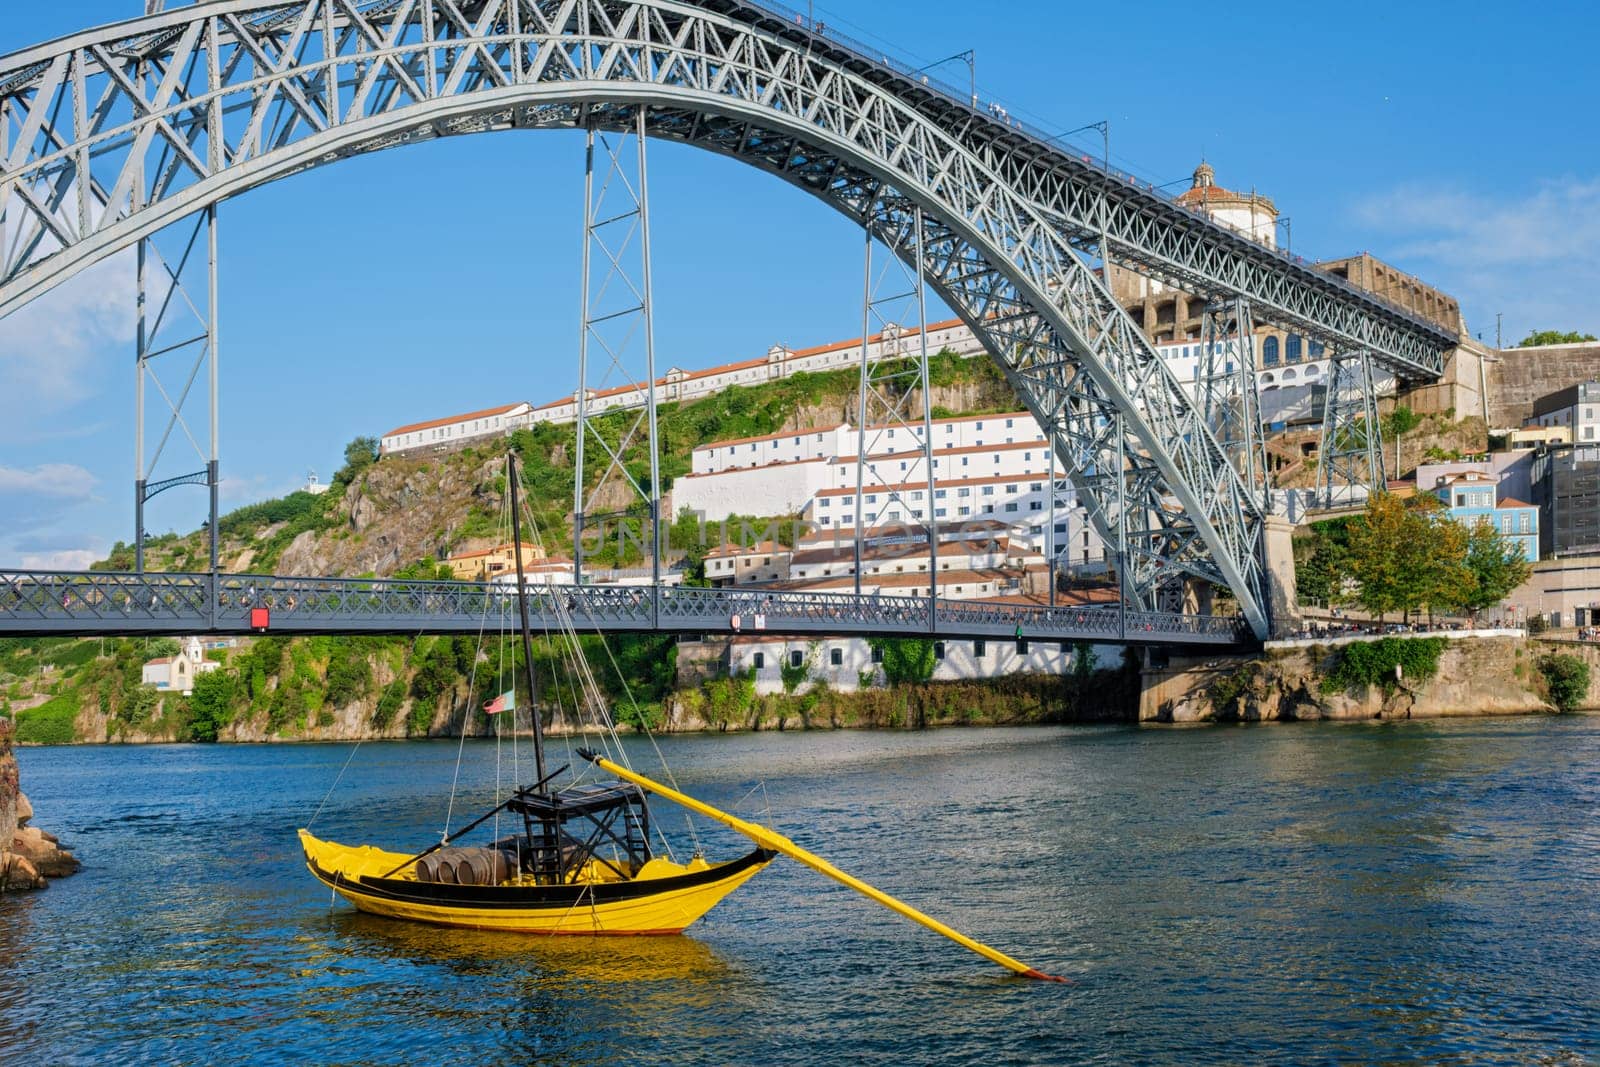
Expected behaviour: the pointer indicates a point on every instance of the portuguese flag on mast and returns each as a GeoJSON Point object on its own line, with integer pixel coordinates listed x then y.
{"type": "Point", "coordinates": [504, 702]}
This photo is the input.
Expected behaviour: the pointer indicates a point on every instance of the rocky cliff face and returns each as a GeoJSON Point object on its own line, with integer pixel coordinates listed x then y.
{"type": "Point", "coordinates": [1476, 676]}
{"type": "Point", "coordinates": [397, 512]}
{"type": "Point", "coordinates": [29, 856]}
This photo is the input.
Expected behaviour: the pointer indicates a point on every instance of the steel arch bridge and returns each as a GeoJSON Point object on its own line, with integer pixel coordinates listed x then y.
{"type": "Point", "coordinates": [111, 134]}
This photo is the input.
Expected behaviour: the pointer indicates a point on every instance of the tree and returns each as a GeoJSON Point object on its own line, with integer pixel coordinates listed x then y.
{"type": "Point", "coordinates": [1498, 566]}
{"type": "Point", "coordinates": [1554, 337]}
{"type": "Point", "coordinates": [1444, 579]}
{"type": "Point", "coordinates": [1378, 547]}
{"type": "Point", "coordinates": [1322, 561]}
{"type": "Point", "coordinates": [1399, 422]}
{"type": "Point", "coordinates": [211, 705]}
{"type": "Point", "coordinates": [1405, 558]}
{"type": "Point", "coordinates": [358, 456]}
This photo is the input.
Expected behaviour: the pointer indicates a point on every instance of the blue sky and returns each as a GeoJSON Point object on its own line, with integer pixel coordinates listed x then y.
{"type": "Point", "coordinates": [1457, 141]}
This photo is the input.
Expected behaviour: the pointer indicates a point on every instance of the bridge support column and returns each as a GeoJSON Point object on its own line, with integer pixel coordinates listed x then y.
{"type": "Point", "coordinates": [1283, 602]}
{"type": "Point", "coordinates": [617, 346]}
{"type": "Point", "coordinates": [173, 321]}
{"type": "Point", "coordinates": [1351, 450]}
{"type": "Point", "coordinates": [894, 303]}
{"type": "Point", "coordinates": [1228, 391]}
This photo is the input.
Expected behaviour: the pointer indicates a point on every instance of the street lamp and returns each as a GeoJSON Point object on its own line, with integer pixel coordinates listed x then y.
{"type": "Point", "coordinates": [970, 58]}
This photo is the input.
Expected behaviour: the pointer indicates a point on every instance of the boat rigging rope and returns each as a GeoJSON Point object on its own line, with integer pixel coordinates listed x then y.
{"type": "Point", "coordinates": [466, 717]}
{"type": "Point", "coordinates": [335, 785]}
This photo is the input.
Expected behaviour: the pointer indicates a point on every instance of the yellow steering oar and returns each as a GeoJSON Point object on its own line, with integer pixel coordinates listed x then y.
{"type": "Point", "coordinates": [778, 843]}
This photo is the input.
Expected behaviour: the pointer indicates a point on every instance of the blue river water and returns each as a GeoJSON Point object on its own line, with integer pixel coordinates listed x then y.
{"type": "Point", "coordinates": [1399, 893]}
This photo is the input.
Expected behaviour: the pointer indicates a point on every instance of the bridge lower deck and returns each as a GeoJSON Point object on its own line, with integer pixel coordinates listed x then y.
{"type": "Point", "coordinates": [104, 604]}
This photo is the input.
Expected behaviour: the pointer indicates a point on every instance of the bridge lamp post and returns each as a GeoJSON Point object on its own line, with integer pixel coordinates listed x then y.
{"type": "Point", "coordinates": [970, 58]}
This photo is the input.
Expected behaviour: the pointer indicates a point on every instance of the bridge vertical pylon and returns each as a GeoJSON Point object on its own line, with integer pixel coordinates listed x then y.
{"type": "Point", "coordinates": [1228, 393]}
{"type": "Point", "coordinates": [616, 353]}
{"type": "Point", "coordinates": [1351, 448]}
{"type": "Point", "coordinates": [176, 338]}
{"type": "Point", "coordinates": [894, 396]}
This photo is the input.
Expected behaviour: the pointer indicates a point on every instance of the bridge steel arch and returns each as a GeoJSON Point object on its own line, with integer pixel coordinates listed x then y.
{"type": "Point", "coordinates": [109, 135]}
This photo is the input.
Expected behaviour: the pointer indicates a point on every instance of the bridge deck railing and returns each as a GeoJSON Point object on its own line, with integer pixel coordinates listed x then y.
{"type": "Point", "coordinates": [106, 602]}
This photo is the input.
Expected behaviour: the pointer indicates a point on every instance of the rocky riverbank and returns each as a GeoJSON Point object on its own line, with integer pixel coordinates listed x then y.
{"type": "Point", "coordinates": [29, 856]}
{"type": "Point", "coordinates": [1472, 675]}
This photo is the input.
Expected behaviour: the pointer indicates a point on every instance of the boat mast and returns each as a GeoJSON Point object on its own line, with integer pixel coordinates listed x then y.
{"type": "Point", "coordinates": [522, 608]}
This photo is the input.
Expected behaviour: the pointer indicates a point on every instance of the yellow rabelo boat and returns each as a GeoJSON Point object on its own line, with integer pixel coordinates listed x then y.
{"type": "Point", "coordinates": [582, 862]}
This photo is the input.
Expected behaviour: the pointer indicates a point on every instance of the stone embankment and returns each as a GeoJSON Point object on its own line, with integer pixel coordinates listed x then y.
{"type": "Point", "coordinates": [1479, 673]}
{"type": "Point", "coordinates": [29, 856]}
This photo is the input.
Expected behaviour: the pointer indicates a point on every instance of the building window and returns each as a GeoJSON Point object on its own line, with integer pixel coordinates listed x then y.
{"type": "Point", "coordinates": [877, 655]}
{"type": "Point", "coordinates": [1022, 646]}
{"type": "Point", "coordinates": [836, 657]}
{"type": "Point", "coordinates": [988, 490]}
{"type": "Point", "coordinates": [796, 658]}
{"type": "Point", "coordinates": [938, 650]}
{"type": "Point", "coordinates": [1291, 350]}
{"type": "Point", "coordinates": [1011, 505]}
{"type": "Point", "coordinates": [979, 648]}
{"type": "Point", "coordinates": [760, 660]}
{"type": "Point", "coordinates": [1269, 352]}
{"type": "Point", "coordinates": [963, 511]}
{"type": "Point", "coordinates": [1036, 505]}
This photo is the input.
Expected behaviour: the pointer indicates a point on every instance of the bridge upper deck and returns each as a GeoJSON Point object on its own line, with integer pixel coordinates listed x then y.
{"type": "Point", "coordinates": [103, 604]}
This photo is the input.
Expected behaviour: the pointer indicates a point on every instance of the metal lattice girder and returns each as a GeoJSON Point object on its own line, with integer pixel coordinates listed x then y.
{"type": "Point", "coordinates": [1351, 449]}
{"type": "Point", "coordinates": [111, 134]}
{"type": "Point", "coordinates": [61, 99]}
{"type": "Point", "coordinates": [617, 346]}
{"type": "Point", "coordinates": [103, 603]}
{"type": "Point", "coordinates": [176, 306]}
{"type": "Point", "coordinates": [1225, 385]}
{"type": "Point", "coordinates": [893, 398]}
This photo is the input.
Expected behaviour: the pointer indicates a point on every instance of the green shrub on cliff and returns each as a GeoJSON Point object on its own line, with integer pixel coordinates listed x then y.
{"type": "Point", "coordinates": [1366, 663]}
{"type": "Point", "coordinates": [49, 724]}
{"type": "Point", "coordinates": [1567, 678]}
{"type": "Point", "coordinates": [394, 694]}
{"type": "Point", "coordinates": [211, 705]}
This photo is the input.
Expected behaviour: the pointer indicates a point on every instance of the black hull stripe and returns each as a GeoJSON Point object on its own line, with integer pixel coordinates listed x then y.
{"type": "Point", "coordinates": [552, 897]}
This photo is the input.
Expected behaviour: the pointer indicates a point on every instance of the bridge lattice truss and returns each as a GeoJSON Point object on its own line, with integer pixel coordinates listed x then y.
{"type": "Point", "coordinates": [102, 603]}
{"type": "Point", "coordinates": [111, 134]}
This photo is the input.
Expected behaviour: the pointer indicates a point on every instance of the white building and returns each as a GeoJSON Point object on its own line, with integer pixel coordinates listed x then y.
{"type": "Point", "coordinates": [842, 662]}
{"type": "Point", "coordinates": [1575, 409]}
{"type": "Point", "coordinates": [457, 429]}
{"type": "Point", "coordinates": [177, 673]}
{"type": "Point", "coordinates": [780, 362]}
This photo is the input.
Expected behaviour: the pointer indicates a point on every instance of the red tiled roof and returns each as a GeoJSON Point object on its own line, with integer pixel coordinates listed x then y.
{"type": "Point", "coordinates": [1513, 502]}
{"type": "Point", "coordinates": [430, 424]}
{"type": "Point", "coordinates": [527, 545]}
{"type": "Point", "coordinates": [771, 436]}
{"type": "Point", "coordinates": [964, 450]}
{"type": "Point", "coordinates": [942, 483]}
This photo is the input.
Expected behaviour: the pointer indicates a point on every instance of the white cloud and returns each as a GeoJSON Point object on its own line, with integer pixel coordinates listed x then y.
{"type": "Point", "coordinates": [64, 559]}
{"type": "Point", "coordinates": [1535, 257]}
{"type": "Point", "coordinates": [66, 481]}
{"type": "Point", "coordinates": [49, 348]}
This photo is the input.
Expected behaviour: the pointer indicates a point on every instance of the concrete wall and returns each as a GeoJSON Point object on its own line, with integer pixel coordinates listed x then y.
{"type": "Point", "coordinates": [1519, 376]}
